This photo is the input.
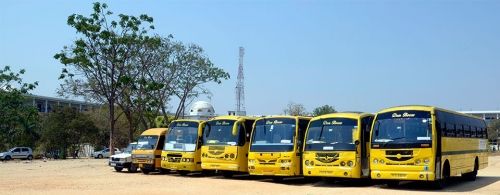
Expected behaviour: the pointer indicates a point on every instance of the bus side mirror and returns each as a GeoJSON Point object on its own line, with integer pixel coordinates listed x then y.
{"type": "Point", "coordinates": [356, 142]}
{"type": "Point", "coordinates": [235, 128]}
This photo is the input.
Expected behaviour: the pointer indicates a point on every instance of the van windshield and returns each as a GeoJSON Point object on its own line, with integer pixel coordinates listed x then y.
{"type": "Point", "coordinates": [219, 132]}
{"type": "Point", "coordinates": [331, 134]}
{"type": "Point", "coordinates": [147, 142]}
{"type": "Point", "coordinates": [273, 135]}
{"type": "Point", "coordinates": [182, 136]}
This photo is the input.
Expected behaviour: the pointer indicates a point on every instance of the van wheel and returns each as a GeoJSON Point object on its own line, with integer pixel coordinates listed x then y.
{"type": "Point", "coordinates": [30, 157]}
{"type": "Point", "coordinates": [99, 156]}
{"type": "Point", "coordinates": [132, 168]}
{"type": "Point", "coordinates": [145, 171]}
{"type": "Point", "coordinates": [8, 158]}
{"type": "Point", "coordinates": [118, 169]}
{"type": "Point", "coordinates": [472, 175]}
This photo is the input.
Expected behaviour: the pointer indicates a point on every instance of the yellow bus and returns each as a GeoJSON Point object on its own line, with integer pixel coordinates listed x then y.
{"type": "Point", "coordinates": [147, 154]}
{"type": "Point", "coordinates": [337, 146]}
{"type": "Point", "coordinates": [425, 143]}
{"type": "Point", "coordinates": [182, 149]}
{"type": "Point", "coordinates": [276, 146]}
{"type": "Point", "coordinates": [225, 144]}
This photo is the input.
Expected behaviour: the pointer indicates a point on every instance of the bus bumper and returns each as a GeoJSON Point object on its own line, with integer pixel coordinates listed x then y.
{"type": "Point", "coordinates": [271, 171]}
{"type": "Point", "coordinates": [220, 166]}
{"type": "Point", "coordinates": [341, 172]}
{"type": "Point", "coordinates": [192, 167]}
{"type": "Point", "coordinates": [403, 175]}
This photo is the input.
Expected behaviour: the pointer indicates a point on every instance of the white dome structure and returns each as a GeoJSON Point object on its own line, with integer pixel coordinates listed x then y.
{"type": "Point", "coordinates": [201, 109]}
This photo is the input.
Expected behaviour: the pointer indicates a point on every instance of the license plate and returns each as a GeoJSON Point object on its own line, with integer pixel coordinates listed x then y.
{"type": "Point", "coordinates": [113, 164]}
{"type": "Point", "coordinates": [399, 175]}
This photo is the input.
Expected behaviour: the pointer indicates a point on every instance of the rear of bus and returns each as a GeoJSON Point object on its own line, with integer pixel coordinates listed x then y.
{"type": "Point", "coordinates": [337, 145]}
{"type": "Point", "coordinates": [404, 144]}
{"type": "Point", "coordinates": [276, 146]}
{"type": "Point", "coordinates": [147, 154]}
{"type": "Point", "coordinates": [225, 144]}
{"type": "Point", "coordinates": [182, 149]}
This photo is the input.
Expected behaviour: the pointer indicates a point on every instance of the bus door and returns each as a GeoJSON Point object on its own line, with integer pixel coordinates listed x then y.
{"type": "Point", "coordinates": [366, 124]}
{"type": "Point", "coordinates": [300, 141]}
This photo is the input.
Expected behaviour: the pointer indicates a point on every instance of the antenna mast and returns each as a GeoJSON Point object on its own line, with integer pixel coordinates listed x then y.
{"type": "Point", "coordinates": [240, 87]}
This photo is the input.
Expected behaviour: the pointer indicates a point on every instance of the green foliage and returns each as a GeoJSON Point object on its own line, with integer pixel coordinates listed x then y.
{"type": "Point", "coordinates": [65, 128]}
{"type": "Point", "coordinates": [160, 121]}
{"type": "Point", "coordinates": [295, 109]}
{"type": "Point", "coordinates": [325, 109]}
{"type": "Point", "coordinates": [493, 129]}
{"type": "Point", "coordinates": [18, 120]}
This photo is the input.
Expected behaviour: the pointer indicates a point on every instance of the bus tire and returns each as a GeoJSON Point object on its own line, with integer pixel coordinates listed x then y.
{"type": "Point", "coordinates": [472, 175]}
{"type": "Point", "coordinates": [392, 184]}
{"type": "Point", "coordinates": [183, 173]}
{"type": "Point", "coordinates": [164, 171]}
{"type": "Point", "coordinates": [227, 174]}
{"type": "Point", "coordinates": [277, 179]}
{"type": "Point", "coordinates": [441, 183]}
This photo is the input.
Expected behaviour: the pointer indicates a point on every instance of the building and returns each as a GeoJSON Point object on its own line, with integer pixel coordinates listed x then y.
{"type": "Point", "coordinates": [46, 104]}
{"type": "Point", "coordinates": [486, 115]}
{"type": "Point", "coordinates": [201, 110]}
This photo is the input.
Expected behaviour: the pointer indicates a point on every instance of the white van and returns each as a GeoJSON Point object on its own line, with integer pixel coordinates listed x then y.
{"type": "Point", "coordinates": [17, 153]}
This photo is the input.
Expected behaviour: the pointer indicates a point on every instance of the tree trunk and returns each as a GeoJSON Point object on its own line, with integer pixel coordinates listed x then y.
{"type": "Point", "coordinates": [112, 126]}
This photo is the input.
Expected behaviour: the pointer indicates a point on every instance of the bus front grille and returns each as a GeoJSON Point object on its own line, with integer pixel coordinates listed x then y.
{"type": "Point", "coordinates": [400, 152]}
{"type": "Point", "coordinates": [327, 157]}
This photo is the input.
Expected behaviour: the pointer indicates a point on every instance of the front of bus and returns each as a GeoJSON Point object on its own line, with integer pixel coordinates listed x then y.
{"type": "Point", "coordinates": [147, 154]}
{"type": "Point", "coordinates": [181, 151]}
{"type": "Point", "coordinates": [402, 143]}
{"type": "Point", "coordinates": [330, 148]}
{"type": "Point", "coordinates": [224, 145]}
{"type": "Point", "coordinates": [273, 147]}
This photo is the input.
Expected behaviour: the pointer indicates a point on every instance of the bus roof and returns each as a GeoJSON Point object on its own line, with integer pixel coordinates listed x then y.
{"type": "Point", "coordinates": [188, 120]}
{"type": "Point", "coordinates": [353, 115]}
{"type": "Point", "coordinates": [231, 117]}
{"type": "Point", "coordinates": [155, 131]}
{"type": "Point", "coordinates": [425, 108]}
{"type": "Point", "coordinates": [285, 116]}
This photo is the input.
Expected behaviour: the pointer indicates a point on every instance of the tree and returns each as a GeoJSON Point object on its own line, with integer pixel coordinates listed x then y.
{"type": "Point", "coordinates": [295, 109]}
{"type": "Point", "coordinates": [325, 109]}
{"type": "Point", "coordinates": [65, 128]}
{"type": "Point", "coordinates": [493, 129]}
{"type": "Point", "coordinates": [18, 120]}
{"type": "Point", "coordinates": [97, 63]}
{"type": "Point", "coordinates": [194, 69]}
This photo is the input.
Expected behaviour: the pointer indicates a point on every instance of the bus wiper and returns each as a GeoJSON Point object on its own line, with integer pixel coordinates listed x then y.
{"type": "Point", "coordinates": [321, 132]}
{"type": "Point", "coordinates": [392, 139]}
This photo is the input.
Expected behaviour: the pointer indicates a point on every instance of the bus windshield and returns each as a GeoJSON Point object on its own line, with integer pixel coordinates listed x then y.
{"type": "Point", "coordinates": [331, 134]}
{"type": "Point", "coordinates": [402, 129]}
{"type": "Point", "coordinates": [219, 132]}
{"type": "Point", "coordinates": [147, 142]}
{"type": "Point", "coordinates": [182, 136]}
{"type": "Point", "coordinates": [274, 135]}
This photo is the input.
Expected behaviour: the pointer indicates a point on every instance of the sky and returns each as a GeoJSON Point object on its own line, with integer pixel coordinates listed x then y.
{"type": "Point", "coordinates": [355, 55]}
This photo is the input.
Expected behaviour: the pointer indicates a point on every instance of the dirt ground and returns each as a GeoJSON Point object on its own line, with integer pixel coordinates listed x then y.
{"type": "Point", "coordinates": [92, 176]}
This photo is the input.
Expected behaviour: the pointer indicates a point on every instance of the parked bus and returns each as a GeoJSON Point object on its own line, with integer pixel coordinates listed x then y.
{"type": "Point", "coordinates": [147, 154]}
{"type": "Point", "coordinates": [337, 146]}
{"type": "Point", "coordinates": [276, 146]}
{"type": "Point", "coordinates": [182, 149]}
{"type": "Point", "coordinates": [225, 144]}
{"type": "Point", "coordinates": [425, 143]}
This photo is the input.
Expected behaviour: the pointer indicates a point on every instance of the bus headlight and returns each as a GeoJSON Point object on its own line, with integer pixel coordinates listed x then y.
{"type": "Point", "coordinates": [251, 161]}
{"type": "Point", "coordinates": [417, 161]}
{"type": "Point", "coordinates": [426, 161]}
{"type": "Point", "coordinates": [342, 163]}
{"type": "Point", "coordinates": [375, 161]}
{"type": "Point", "coordinates": [226, 156]}
{"type": "Point", "coordinates": [307, 163]}
{"type": "Point", "coordinates": [286, 163]}
{"type": "Point", "coordinates": [382, 161]}
{"type": "Point", "coordinates": [232, 155]}
{"type": "Point", "coordinates": [350, 163]}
